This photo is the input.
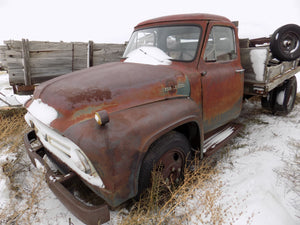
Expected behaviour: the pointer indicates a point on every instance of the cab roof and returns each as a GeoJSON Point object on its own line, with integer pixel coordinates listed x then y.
{"type": "Point", "coordinates": [184, 17]}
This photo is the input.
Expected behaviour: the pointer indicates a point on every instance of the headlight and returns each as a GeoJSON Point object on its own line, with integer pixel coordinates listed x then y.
{"type": "Point", "coordinates": [102, 117]}
{"type": "Point", "coordinates": [80, 161]}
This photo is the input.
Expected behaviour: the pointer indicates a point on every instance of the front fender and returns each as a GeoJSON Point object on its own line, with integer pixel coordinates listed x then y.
{"type": "Point", "coordinates": [118, 148]}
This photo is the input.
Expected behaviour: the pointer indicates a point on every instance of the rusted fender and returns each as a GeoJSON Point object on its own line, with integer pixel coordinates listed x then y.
{"type": "Point", "coordinates": [118, 148]}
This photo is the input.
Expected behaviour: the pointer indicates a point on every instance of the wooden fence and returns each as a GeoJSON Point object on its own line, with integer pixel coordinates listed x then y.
{"type": "Point", "coordinates": [31, 62]}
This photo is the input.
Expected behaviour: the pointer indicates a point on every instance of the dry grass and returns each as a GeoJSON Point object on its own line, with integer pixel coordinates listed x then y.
{"type": "Point", "coordinates": [196, 200]}
{"type": "Point", "coordinates": [23, 203]}
{"type": "Point", "coordinates": [13, 127]}
{"type": "Point", "coordinates": [12, 124]}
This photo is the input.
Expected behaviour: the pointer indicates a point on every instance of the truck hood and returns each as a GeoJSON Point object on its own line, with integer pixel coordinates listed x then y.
{"type": "Point", "coordinates": [111, 87]}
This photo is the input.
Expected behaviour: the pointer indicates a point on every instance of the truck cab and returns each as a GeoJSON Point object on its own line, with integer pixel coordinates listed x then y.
{"type": "Point", "coordinates": [206, 49]}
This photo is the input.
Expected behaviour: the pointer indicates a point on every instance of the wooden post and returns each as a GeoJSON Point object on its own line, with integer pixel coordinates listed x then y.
{"type": "Point", "coordinates": [26, 64]}
{"type": "Point", "coordinates": [72, 56]}
{"type": "Point", "coordinates": [90, 51]}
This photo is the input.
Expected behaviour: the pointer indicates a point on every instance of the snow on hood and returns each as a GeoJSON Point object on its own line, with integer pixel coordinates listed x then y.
{"type": "Point", "coordinates": [149, 55]}
{"type": "Point", "coordinates": [43, 112]}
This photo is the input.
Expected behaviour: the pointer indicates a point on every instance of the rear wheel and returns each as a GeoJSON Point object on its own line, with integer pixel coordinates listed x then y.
{"type": "Point", "coordinates": [285, 97]}
{"type": "Point", "coordinates": [281, 100]}
{"type": "Point", "coordinates": [168, 155]}
{"type": "Point", "coordinates": [269, 101]}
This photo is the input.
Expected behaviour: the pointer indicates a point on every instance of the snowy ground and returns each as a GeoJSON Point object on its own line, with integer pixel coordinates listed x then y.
{"type": "Point", "coordinates": [256, 169]}
{"type": "Point", "coordinates": [254, 172]}
{"type": "Point", "coordinates": [7, 98]}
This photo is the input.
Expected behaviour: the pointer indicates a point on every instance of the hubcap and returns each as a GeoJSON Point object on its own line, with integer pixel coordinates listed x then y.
{"type": "Point", "coordinates": [290, 43]}
{"type": "Point", "coordinates": [171, 165]}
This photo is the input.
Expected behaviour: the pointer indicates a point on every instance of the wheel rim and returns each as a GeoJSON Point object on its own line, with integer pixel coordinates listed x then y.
{"type": "Point", "coordinates": [289, 43]}
{"type": "Point", "coordinates": [171, 165]}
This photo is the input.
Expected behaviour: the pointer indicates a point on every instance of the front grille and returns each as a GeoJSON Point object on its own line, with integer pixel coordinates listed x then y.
{"type": "Point", "coordinates": [62, 148]}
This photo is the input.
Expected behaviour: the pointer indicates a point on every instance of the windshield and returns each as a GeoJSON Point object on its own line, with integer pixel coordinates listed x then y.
{"type": "Point", "coordinates": [178, 42]}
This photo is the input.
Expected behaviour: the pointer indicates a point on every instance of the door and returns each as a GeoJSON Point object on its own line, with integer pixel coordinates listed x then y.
{"type": "Point", "coordinates": [222, 76]}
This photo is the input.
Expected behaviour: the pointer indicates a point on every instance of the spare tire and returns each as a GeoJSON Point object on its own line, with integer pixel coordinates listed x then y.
{"type": "Point", "coordinates": [285, 42]}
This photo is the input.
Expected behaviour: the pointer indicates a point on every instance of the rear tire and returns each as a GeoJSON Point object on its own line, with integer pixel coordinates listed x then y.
{"type": "Point", "coordinates": [285, 42]}
{"type": "Point", "coordinates": [170, 154]}
{"type": "Point", "coordinates": [269, 101]}
{"type": "Point", "coordinates": [285, 97]}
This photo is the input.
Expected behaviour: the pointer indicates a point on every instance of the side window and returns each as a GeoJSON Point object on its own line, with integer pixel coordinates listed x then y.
{"type": "Point", "coordinates": [220, 45]}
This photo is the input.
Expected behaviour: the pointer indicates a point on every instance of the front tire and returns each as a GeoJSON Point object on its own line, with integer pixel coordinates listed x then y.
{"type": "Point", "coordinates": [169, 154]}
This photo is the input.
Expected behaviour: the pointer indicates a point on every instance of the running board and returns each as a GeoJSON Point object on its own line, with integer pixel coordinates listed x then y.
{"type": "Point", "coordinates": [216, 139]}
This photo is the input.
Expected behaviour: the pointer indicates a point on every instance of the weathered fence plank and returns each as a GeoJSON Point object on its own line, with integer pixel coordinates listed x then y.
{"type": "Point", "coordinates": [26, 57]}
{"type": "Point", "coordinates": [49, 46]}
{"type": "Point", "coordinates": [11, 44]}
{"type": "Point", "coordinates": [50, 62]}
{"type": "Point", "coordinates": [50, 54]}
{"type": "Point", "coordinates": [13, 54]}
{"type": "Point", "coordinates": [31, 62]}
{"type": "Point", "coordinates": [90, 50]}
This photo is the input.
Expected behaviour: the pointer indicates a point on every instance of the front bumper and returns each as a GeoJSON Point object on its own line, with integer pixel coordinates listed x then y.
{"type": "Point", "coordinates": [62, 186]}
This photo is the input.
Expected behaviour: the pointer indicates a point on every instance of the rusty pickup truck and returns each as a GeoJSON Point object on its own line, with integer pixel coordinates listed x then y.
{"type": "Point", "coordinates": [99, 132]}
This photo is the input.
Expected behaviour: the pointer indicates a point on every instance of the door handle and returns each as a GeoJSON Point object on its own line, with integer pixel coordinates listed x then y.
{"type": "Point", "coordinates": [240, 70]}
{"type": "Point", "coordinates": [203, 73]}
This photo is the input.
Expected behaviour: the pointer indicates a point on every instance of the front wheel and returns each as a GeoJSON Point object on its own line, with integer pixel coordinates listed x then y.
{"type": "Point", "coordinates": [167, 155]}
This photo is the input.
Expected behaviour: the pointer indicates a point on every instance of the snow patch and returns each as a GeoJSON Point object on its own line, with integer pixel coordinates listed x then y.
{"type": "Point", "coordinates": [149, 55]}
{"type": "Point", "coordinates": [298, 81]}
{"type": "Point", "coordinates": [4, 194]}
{"type": "Point", "coordinates": [7, 96]}
{"type": "Point", "coordinates": [43, 112]}
{"type": "Point", "coordinates": [22, 98]}
{"type": "Point", "coordinates": [258, 58]}
{"type": "Point", "coordinates": [4, 180]}
{"type": "Point", "coordinates": [4, 82]}
{"type": "Point", "coordinates": [280, 98]}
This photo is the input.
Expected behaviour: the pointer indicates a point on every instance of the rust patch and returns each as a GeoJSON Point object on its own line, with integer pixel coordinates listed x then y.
{"type": "Point", "coordinates": [89, 95]}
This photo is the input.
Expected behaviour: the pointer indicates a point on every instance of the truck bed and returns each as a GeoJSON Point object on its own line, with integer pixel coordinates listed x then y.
{"type": "Point", "coordinates": [262, 71]}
